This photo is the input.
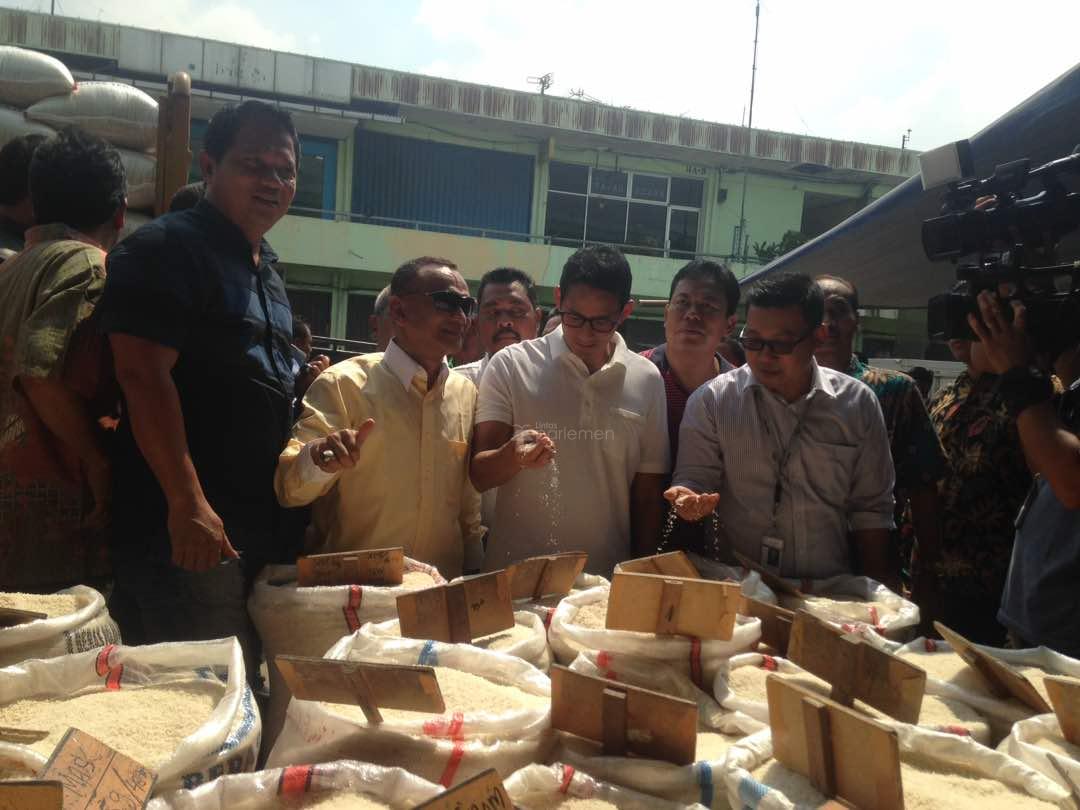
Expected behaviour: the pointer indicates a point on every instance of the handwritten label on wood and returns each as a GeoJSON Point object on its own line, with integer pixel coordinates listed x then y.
{"type": "Point", "coordinates": [10, 617]}
{"type": "Point", "coordinates": [844, 754]}
{"type": "Point", "coordinates": [377, 566]}
{"type": "Point", "coordinates": [552, 575]}
{"type": "Point", "coordinates": [856, 670]}
{"type": "Point", "coordinates": [776, 622]}
{"type": "Point", "coordinates": [459, 612]}
{"type": "Point", "coordinates": [364, 684]}
{"type": "Point", "coordinates": [624, 718]}
{"type": "Point", "coordinates": [1003, 680]}
{"type": "Point", "coordinates": [671, 564]}
{"type": "Point", "coordinates": [484, 791]}
{"type": "Point", "coordinates": [94, 776]}
{"type": "Point", "coordinates": [31, 795]}
{"type": "Point", "coordinates": [647, 603]}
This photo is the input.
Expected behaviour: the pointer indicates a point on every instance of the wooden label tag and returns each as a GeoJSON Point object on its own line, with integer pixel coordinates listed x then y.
{"type": "Point", "coordinates": [844, 754]}
{"type": "Point", "coordinates": [94, 776]}
{"type": "Point", "coordinates": [10, 617]}
{"type": "Point", "coordinates": [1003, 680]}
{"type": "Point", "coordinates": [624, 718]}
{"type": "Point", "coordinates": [31, 795]}
{"type": "Point", "coordinates": [648, 603]}
{"type": "Point", "coordinates": [377, 566]}
{"type": "Point", "coordinates": [552, 575]}
{"type": "Point", "coordinates": [484, 791]}
{"type": "Point", "coordinates": [774, 582]}
{"type": "Point", "coordinates": [362, 684]}
{"type": "Point", "coordinates": [1065, 697]}
{"type": "Point", "coordinates": [856, 670]}
{"type": "Point", "coordinates": [459, 612]}
{"type": "Point", "coordinates": [671, 564]}
{"type": "Point", "coordinates": [776, 622]}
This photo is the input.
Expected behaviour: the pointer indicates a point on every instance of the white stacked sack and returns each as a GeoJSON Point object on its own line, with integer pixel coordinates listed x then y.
{"type": "Point", "coordinates": [447, 748]}
{"type": "Point", "coordinates": [87, 627]}
{"type": "Point", "coordinates": [211, 672]}
{"type": "Point", "coordinates": [292, 620]}
{"type": "Point", "coordinates": [303, 785]}
{"type": "Point", "coordinates": [27, 77]}
{"type": "Point", "coordinates": [122, 114]}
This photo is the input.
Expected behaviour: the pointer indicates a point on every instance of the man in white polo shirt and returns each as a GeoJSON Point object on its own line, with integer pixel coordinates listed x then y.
{"type": "Point", "coordinates": [572, 428]}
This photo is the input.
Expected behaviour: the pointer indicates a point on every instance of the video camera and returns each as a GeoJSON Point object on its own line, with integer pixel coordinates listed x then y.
{"type": "Point", "coordinates": [1006, 242]}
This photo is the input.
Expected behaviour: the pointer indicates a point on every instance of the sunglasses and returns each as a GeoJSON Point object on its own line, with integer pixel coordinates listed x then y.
{"type": "Point", "coordinates": [450, 302]}
{"type": "Point", "coordinates": [753, 344]}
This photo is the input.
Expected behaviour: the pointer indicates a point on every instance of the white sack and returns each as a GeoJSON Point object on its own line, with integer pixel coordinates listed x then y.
{"type": "Point", "coordinates": [88, 628]}
{"type": "Point", "coordinates": [120, 113]}
{"type": "Point", "coordinates": [27, 77]}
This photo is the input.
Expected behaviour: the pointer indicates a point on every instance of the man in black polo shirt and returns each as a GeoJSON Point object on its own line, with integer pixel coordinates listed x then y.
{"type": "Point", "coordinates": [200, 327]}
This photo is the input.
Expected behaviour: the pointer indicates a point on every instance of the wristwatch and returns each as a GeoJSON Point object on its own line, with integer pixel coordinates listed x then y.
{"type": "Point", "coordinates": [1023, 387]}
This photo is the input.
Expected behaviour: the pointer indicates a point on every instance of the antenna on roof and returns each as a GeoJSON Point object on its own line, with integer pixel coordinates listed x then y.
{"type": "Point", "coordinates": [544, 81]}
{"type": "Point", "coordinates": [581, 95]}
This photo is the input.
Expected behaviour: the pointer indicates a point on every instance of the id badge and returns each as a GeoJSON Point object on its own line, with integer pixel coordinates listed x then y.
{"type": "Point", "coordinates": [772, 551]}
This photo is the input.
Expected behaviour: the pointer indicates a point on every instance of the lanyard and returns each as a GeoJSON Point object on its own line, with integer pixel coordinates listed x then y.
{"type": "Point", "coordinates": [786, 451]}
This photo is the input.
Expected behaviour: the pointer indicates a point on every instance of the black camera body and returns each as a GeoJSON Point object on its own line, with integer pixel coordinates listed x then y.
{"type": "Point", "coordinates": [1003, 234]}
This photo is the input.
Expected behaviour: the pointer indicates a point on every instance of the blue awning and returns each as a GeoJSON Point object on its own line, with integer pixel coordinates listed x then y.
{"type": "Point", "coordinates": [880, 248]}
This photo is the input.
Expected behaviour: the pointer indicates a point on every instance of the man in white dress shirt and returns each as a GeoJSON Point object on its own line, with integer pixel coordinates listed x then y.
{"type": "Point", "coordinates": [793, 456]}
{"type": "Point", "coordinates": [580, 393]}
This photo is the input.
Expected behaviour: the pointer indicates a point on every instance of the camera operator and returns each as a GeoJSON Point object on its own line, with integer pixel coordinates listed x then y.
{"type": "Point", "coordinates": [1041, 603]}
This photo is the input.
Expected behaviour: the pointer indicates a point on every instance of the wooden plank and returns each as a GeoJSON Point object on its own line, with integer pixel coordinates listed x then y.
{"type": "Point", "coordinates": [173, 141]}
{"type": "Point", "coordinates": [671, 564]}
{"type": "Point", "coordinates": [31, 795]}
{"type": "Point", "coordinates": [819, 747]}
{"type": "Point", "coordinates": [864, 754]}
{"type": "Point", "coordinates": [646, 603]}
{"type": "Point", "coordinates": [613, 719]}
{"type": "Point", "coordinates": [485, 791]}
{"type": "Point", "coordinates": [95, 776]}
{"type": "Point", "coordinates": [775, 622]}
{"type": "Point", "coordinates": [776, 583]}
{"type": "Point", "coordinates": [1003, 680]}
{"type": "Point", "coordinates": [1065, 698]}
{"type": "Point", "coordinates": [10, 617]}
{"type": "Point", "coordinates": [550, 575]}
{"type": "Point", "coordinates": [364, 684]}
{"type": "Point", "coordinates": [459, 612]}
{"type": "Point", "coordinates": [657, 726]}
{"type": "Point", "coordinates": [856, 670]}
{"type": "Point", "coordinates": [377, 566]}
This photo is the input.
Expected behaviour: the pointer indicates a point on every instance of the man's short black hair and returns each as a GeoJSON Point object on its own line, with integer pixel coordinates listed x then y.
{"type": "Point", "coordinates": [15, 167]}
{"type": "Point", "coordinates": [76, 178]}
{"type": "Point", "coordinates": [187, 196]}
{"type": "Point", "coordinates": [601, 267]}
{"type": "Point", "coordinates": [300, 327]}
{"type": "Point", "coordinates": [852, 297]}
{"type": "Point", "coordinates": [404, 279]}
{"type": "Point", "coordinates": [790, 290]}
{"type": "Point", "coordinates": [921, 374]}
{"type": "Point", "coordinates": [508, 275]}
{"type": "Point", "coordinates": [717, 273]}
{"type": "Point", "coordinates": [226, 124]}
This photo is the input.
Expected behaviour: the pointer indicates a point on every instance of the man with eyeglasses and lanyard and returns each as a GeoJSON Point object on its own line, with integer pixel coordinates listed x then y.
{"type": "Point", "coordinates": [793, 456]}
{"type": "Point", "coordinates": [580, 393]}
{"type": "Point", "coordinates": [381, 450]}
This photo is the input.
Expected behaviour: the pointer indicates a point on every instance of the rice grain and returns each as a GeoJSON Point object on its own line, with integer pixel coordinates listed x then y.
{"type": "Point", "coordinates": [340, 801]}
{"type": "Point", "coordinates": [592, 616]}
{"type": "Point", "coordinates": [52, 605]}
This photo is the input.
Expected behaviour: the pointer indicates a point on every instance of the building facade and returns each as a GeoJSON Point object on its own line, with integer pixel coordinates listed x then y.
{"type": "Point", "coordinates": [397, 165]}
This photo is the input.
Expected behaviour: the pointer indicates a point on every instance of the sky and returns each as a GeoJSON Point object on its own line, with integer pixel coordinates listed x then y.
{"type": "Point", "coordinates": [862, 71]}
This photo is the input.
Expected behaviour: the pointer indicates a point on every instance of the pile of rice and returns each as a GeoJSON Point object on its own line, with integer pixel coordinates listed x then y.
{"type": "Point", "coordinates": [52, 605]}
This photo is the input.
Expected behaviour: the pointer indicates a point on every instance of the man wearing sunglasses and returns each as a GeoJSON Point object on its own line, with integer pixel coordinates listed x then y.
{"type": "Point", "coordinates": [572, 429]}
{"type": "Point", "coordinates": [382, 446]}
{"type": "Point", "coordinates": [793, 456]}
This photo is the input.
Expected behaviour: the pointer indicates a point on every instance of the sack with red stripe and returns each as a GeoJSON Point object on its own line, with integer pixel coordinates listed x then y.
{"type": "Point", "coordinates": [718, 729]}
{"type": "Point", "coordinates": [545, 607]}
{"type": "Point", "coordinates": [500, 724]}
{"type": "Point", "coordinates": [699, 659]}
{"type": "Point", "coordinates": [300, 785]}
{"type": "Point", "coordinates": [543, 785]}
{"type": "Point", "coordinates": [195, 719]}
{"type": "Point", "coordinates": [856, 603]}
{"type": "Point", "coordinates": [527, 640]}
{"type": "Point", "coordinates": [292, 620]}
{"type": "Point", "coordinates": [88, 627]}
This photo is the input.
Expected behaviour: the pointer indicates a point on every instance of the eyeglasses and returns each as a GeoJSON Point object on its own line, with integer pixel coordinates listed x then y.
{"type": "Point", "coordinates": [602, 324]}
{"type": "Point", "coordinates": [450, 301]}
{"type": "Point", "coordinates": [753, 344]}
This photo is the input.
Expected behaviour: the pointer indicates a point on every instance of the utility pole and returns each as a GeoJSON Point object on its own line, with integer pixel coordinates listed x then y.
{"type": "Point", "coordinates": [741, 245]}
